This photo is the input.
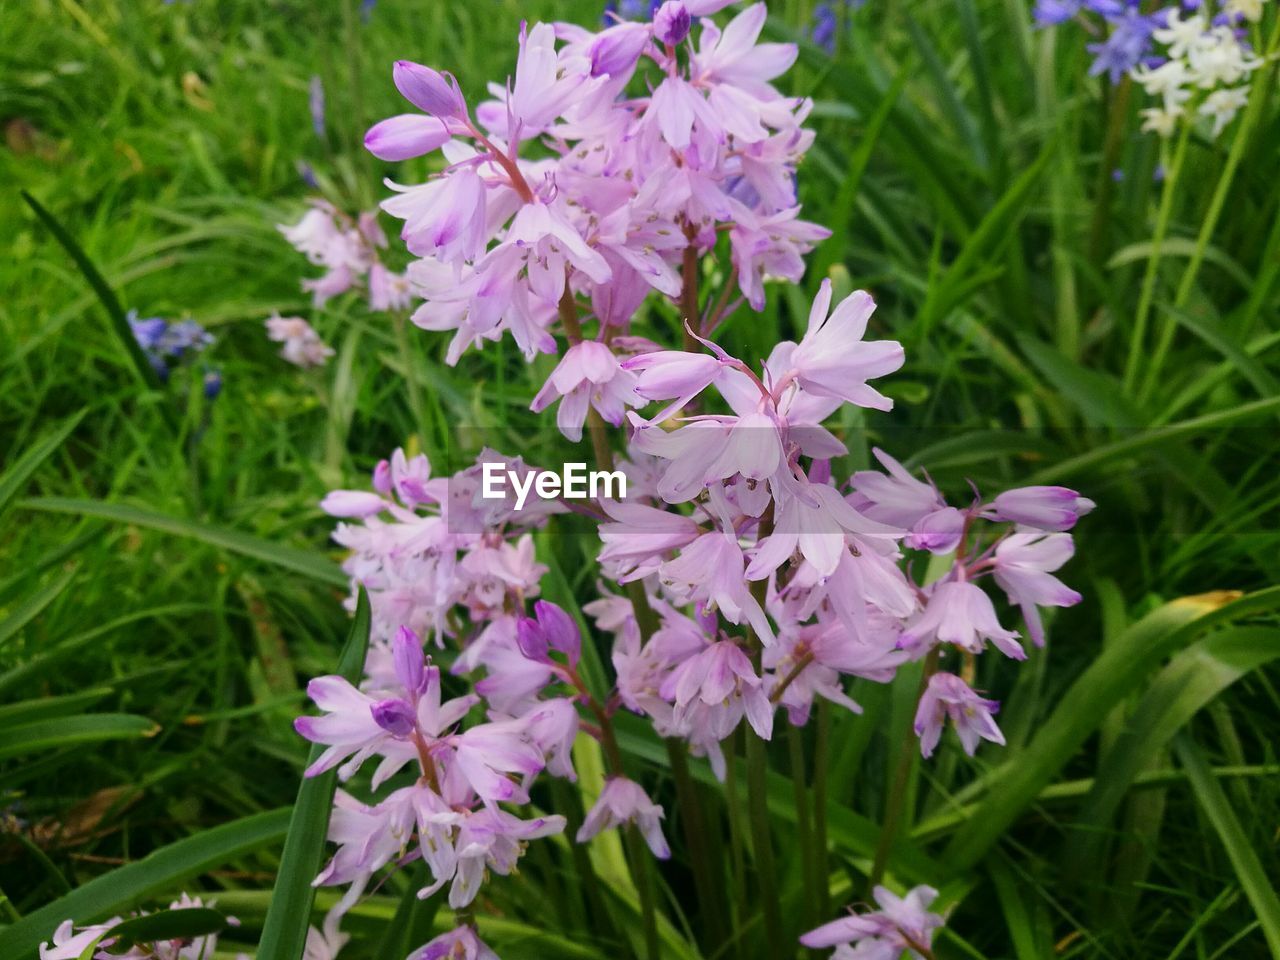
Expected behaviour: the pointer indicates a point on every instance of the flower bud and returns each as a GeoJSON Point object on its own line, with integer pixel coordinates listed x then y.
{"type": "Point", "coordinates": [428, 90]}
{"type": "Point", "coordinates": [406, 654]}
{"type": "Point", "coordinates": [531, 639]}
{"type": "Point", "coordinates": [616, 50]}
{"type": "Point", "coordinates": [672, 22]}
{"type": "Point", "coordinates": [1045, 508]}
{"type": "Point", "coordinates": [394, 716]}
{"type": "Point", "coordinates": [559, 629]}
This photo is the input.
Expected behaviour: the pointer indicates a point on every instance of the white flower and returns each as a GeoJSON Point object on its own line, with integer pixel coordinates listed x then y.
{"type": "Point", "coordinates": [1160, 121]}
{"type": "Point", "coordinates": [1169, 81]}
{"type": "Point", "coordinates": [1220, 59]}
{"type": "Point", "coordinates": [1251, 10]}
{"type": "Point", "coordinates": [1180, 35]}
{"type": "Point", "coordinates": [1223, 105]}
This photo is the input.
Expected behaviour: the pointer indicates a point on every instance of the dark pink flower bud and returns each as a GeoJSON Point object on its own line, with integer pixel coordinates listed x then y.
{"type": "Point", "coordinates": [616, 50]}
{"type": "Point", "coordinates": [1045, 508]}
{"type": "Point", "coordinates": [394, 716]}
{"type": "Point", "coordinates": [532, 639]}
{"type": "Point", "coordinates": [405, 136]}
{"type": "Point", "coordinates": [672, 22]}
{"type": "Point", "coordinates": [559, 629]}
{"type": "Point", "coordinates": [406, 654]}
{"type": "Point", "coordinates": [429, 90]}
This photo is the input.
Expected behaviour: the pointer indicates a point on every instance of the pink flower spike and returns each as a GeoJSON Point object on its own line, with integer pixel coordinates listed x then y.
{"type": "Point", "coordinates": [428, 90]}
{"type": "Point", "coordinates": [947, 696]}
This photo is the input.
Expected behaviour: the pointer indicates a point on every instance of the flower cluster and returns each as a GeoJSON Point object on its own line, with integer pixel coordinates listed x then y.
{"type": "Point", "coordinates": [302, 345]}
{"type": "Point", "coordinates": [564, 186]}
{"type": "Point", "coordinates": [749, 577]}
{"type": "Point", "coordinates": [348, 250]}
{"type": "Point", "coordinates": [903, 926]}
{"type": "Point", "coordinates": [70, 942]}
{"type": "Point", "coordinates": [1204, 71]}
{"type": "Point", "coordinates": [169, 344]}
{"type": "Point", "coordinates": [1192, 57]}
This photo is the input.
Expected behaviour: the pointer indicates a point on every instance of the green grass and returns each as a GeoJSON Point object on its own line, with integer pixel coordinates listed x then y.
{"type": "Point", "coordinates": [168, 557]}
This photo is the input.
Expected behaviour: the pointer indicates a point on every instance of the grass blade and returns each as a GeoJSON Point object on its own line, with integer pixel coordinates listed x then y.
{"type": "Point", "coordinates": [153, 874]}
{"type": "Point", "coordinates": [299, 561]}
{"type": "Point", "coordinates": [1249, 870]}
{"type": "Point", "coordinates": [285, 932]}
{"type": "Point", "coordinates": [31, 606]}
{"type": "Point", "coordinates": [27, 464]}
{"type": "Point", "coordinates": [106, 296]}
{"type": "Point", "coordinates": [41, 736]}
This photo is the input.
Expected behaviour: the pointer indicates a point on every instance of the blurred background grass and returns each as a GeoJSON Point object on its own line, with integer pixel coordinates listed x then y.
{"type": "Point", "coordinates": [963, 161]}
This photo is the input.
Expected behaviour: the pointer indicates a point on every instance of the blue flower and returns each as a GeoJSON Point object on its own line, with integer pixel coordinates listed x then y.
{"type": "Point", "coordinates": [1129, 42]}
{"type": "Point", "coordinates": [315, 102]}
{"type": "Point", "coordinates": [825, 24]}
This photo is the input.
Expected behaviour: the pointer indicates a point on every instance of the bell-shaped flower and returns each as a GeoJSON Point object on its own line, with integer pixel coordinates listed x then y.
{"type": "Point", "coordinates": [960, 613]}
{"type": "Point", "coordinates": [949, 697]}
{"type": "Point", "coordinates": [429, 90]}
{"type": "Point", "coordinates": [587, 376]}
{"type": "Point", "coordinates": [460, 943]}
{"type": "Point", "coordinates": [903, 926]}
{"type": "Point", "coordinates": [492, 839]}
{"type": "Point", "coordinates": [624, 801]}
{"type": "Point", "coordinates": [716, 688]}
{"type": "Point", "coordinates": [710, 571]}
{"type": "Point", "coordinates": [1024, 565]}
{"type": "Point", "coordinates": [833, 360]}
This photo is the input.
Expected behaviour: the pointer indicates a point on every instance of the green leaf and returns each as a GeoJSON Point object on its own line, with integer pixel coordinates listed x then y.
{"type": "Point", "coordinates": [1097, 395]}
{"type": "Point", "coordinates": [31, 606]}
{"type": "Point", "coordinates": [41, 736]}
{"type": "Point", "coordinates": [1249, 870]}
{"type": "Point", "coordinates": [115, 313]}
{"type": "Point", "coordinates": [41, 708]}
{"type": "Point", "coordinates": [1189, 682]}
{"type": "Point", "coordinates": [290, 558]}
{"type": "Point", "coordinates": [182, 924]}
{"type": "Point", "coordinates": [1112, 676]}
{"type": "Point", "coordinates": [284, 934]}
{"type": "Point", "coordinates": [156, 873]}
{"type": "Point", "coordinates": [11, 480]}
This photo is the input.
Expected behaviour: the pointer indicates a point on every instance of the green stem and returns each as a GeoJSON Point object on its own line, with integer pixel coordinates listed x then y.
{"type": "Point", "coordinates": [762, 842]}
{"type": "Point", "coordinates": [1117, 115]}
{"type": "Point", "coordinates": [898, 789]}
{"type": "Point", "coordinates": [694, 821]}
{"type": "Point", "coordinates": [821, 760]}
{"type": "Point", "coordinates": [737, 856]}
{"type": "Point", "coordinates": [642, 874]}
{"type": "Point", "coordinates": [1153, 261]}
{"type": "Point", "coordinates": [804, 834]}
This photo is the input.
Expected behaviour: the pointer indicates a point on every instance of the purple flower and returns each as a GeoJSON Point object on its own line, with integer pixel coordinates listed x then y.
{"type": "Point", "coordinates": [961, 614]}
{"type": "Point", "coordinates": [462, 943]}
{"type": "Point", "coordinates": [1045, 508]}
{"type": "Point", "coordinates": [671, 23]}
{"type": "Point", "coordinates": [824, 28]}
{"type": "Point", "coordinates": [1125, 47]}
{"type": "Point", "coordinates": [947, 696]}
{"type": "Point", "coordinates": [624, 801]}
{"type": "Point", "coordinates": [901, 925]}
{"type": "Point", "coordinates": [833, 361]}
{"type": "Point", "coordinates": [1024, 565]}
{"type": "Point", "coordinates": [1050, 13]}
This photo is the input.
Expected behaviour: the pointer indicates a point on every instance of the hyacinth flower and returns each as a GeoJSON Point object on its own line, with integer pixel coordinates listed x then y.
{"type": "Point", "coordinates": [749, 577]}
{"type": "Point", "coordinates": [301, 345]}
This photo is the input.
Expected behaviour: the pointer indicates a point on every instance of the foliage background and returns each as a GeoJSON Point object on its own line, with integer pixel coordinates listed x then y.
{"type": "Point", "coordinates": [174, 581]}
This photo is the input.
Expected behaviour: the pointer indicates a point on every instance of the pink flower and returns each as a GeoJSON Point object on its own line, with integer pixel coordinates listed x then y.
{"type": "Point", "coordinates": [1045, 508]}
{"type": "Point", "coordinates": [896, 496]}
{"type": "Point", "coordinates": [461, 943]}
{"type": "Point", "coordinates": [716, 688]}
{"type": "Point", "coordinates": [711, 571]}
{"type": "Point", "coordinates": [947, 696]}
{"type": "Point", "coordinates": [431, 92]}
{"type": "Point", "coordinates": [624, 801]}
{"type": "Point", "coordinates": [833, 361]}
{"type": "Point", "coordinates": [961, 614]}
{"type": "Point", "coordinates": [1024, 565]}
{"type": "Point", "coordinates": [901, 925]}
{"type": "Point", "coordinates": [587, 376]}
{"type": "Point", "coordinates": [407, 135]}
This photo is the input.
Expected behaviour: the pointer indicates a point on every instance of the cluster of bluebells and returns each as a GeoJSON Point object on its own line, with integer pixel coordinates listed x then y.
{"type": "Point", "coordinates": [171, 344]}
{"type": "Point", "coordinates": [94, 941]}
{"type": "Point", "coordinates": [830, 18]}
{"type": "Point", "coordinates": [348, 251]}
{"type": "Point", "coordinates": [1192, 58]}
{"type": "Point", "coordinates": [738, 575]}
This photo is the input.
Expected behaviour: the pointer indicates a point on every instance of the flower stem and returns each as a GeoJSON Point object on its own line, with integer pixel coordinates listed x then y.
{"type": "Point", "coordinates": [821, 759]}
{"type": "Point", "coordinates": [898, 789]}
{"type": "Point", "coordinates": [1153, 261]}
{"type": "Point", "coordinates": [804, 835]}
{"type": "Point", "coordinates": [694, 821]}
{"type": "Point", "coordinates": [762, 844]}
{"type": "Point", "coordinates": [689, 298]}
